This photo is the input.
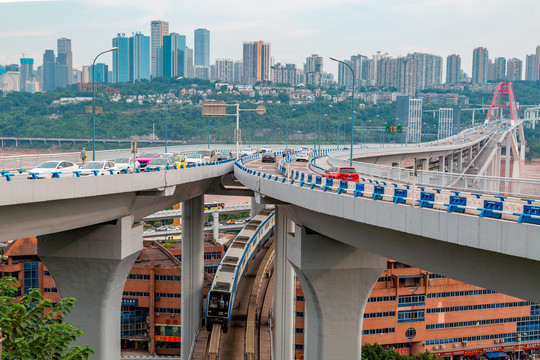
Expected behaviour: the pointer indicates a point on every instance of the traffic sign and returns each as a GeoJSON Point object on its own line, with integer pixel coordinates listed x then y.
{"type": "Point", "coordinates": [214, 108]}
{"type": "Point", "coordinates": [237, 135]}
{"type": "Point", "coordinates": [261, 109]}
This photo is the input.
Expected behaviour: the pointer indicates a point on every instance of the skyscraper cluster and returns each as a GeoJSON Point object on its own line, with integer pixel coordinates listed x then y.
{"type": "Point", "coordinates": [408, 74]}
{"type": "Point", "coordinates": [499, 69]}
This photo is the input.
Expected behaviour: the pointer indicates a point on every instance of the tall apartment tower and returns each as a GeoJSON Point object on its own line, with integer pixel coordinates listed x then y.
{"type": "Point", "coordinates": [514, 69]}
{"type": "Point", "coordinates": [480, 70]}
{"type": "Point", "coordinates": [446, 123]}
{"type": "Point", "coordinates": [453, 69]}
{"type": "Point", "coordinates": [49, 71]}
{"type": "Point", "coordinates": [256, 61]}
{"type": "Point", "coordinates": [139, 57]}
{"type": "Point", "coordinates": [428, 70]}
{"type": "Point", "coordinates": [65, 58]}
{"type": "Point", "coordinates": [499, 69]}
{"type": "Point", "coordinates": [414, 126]}
{"type": "Point", "coordinates": [531, 73]}
{"type": "Point", "coordinates": [189, 63]}
{"type": "Point", "coordinates": [313, 69]}
{"type": "Point", "coordinates": [26, 72]}
{"type": "Point", "coordinates": [225, 70]}
{"type": "Point", "coordinates": [407, 75]}
{"type": "Point", "coordinates": [120, 67]}
{"type": "Point", "coordinates": [158, 29]}
{"type": "Point", "coordinates": [202, 47]}
{"type": "Point", "coordinates": [174, 55]}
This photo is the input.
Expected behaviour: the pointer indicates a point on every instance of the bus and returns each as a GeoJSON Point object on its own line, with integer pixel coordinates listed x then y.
{"type": "Point", "coordinates": [214, 206]}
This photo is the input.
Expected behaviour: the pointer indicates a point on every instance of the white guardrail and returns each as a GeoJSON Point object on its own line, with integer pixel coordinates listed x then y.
{"type": "Point", "coordinates": [521, 210]}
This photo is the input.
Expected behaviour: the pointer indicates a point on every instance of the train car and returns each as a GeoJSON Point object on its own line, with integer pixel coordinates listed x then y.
{"type": "Point", "coordinates": [220, 299]}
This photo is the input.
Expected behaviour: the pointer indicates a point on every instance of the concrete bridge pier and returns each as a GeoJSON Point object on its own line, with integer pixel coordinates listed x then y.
{"type": "Point", "coordinates": [91, 264]}
{"type": "Point", "coordinates": [284, 293]}
{"type": "Point", "coordinates": [337, 280]}
{"type": "Point", "coordinates": [192, 272]}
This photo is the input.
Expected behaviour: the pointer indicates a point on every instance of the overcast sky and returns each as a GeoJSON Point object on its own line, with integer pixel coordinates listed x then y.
{"type": "Point", "coordinates": [295, 28]}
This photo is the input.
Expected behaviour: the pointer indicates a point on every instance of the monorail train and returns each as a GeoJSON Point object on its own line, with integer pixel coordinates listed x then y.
{"type": "Point", "coordinates": [220, 299]}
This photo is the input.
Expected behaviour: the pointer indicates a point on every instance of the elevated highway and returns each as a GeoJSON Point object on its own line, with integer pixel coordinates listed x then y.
{"type": "Point", "coordinates": [332, 234]}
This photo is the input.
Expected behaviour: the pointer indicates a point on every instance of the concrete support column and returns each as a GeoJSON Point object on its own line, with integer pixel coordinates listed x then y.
{"type": "Point", "coordinates": [441, 163]}
{"type": "Point", "coordinates": [255, 207]}
{"type": "Point", "coordinates": [337, 280]}
{"type": "Point", "coordinates": [425, 164]}
{"type": "Point", "coordinates": [450, 163]}
{"type": "Point", "coordinates": [284, 292]}
{"type": "Point", "coordinates": [91, 264]}
{"type": "Point", "coordinates": [215, 225]}
{"type": "Point", "coordinates": [460, 162]}
{"type": "Point", "coordinates": [192, 271]}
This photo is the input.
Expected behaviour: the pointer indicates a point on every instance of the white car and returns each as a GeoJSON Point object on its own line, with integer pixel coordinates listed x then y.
{"type": "Point", "coordinates": [302, 156]}
{"type": "Point", "coordinates": [194, 159]}
{"type": "Point", "coordinates": [53, 168]}
{"type": "Point", "coordinates": [125, 163]}
{"type": "Point", "coordinates": [100, 167]}
{"type": "Point", "coordinates": [246, 152]}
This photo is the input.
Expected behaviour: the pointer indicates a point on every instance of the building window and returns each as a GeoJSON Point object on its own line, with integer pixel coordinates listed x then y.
{"type": "Point", "coordinates": [382, 298]}
{"type": "Point", "coordinates": [299, 331]}
{"type": "Point", "coordinates": [379, 314]}
{"type": "Point", "coordinates": [134, 321]}
{"type": "Point", "coordinates": [50, 290]}
{"type": "Point", "coordinates": [410, 333]}
{"type": "Point", "coordinates": [212, 255]}
{"type": "Point", "coordinates": [138, 277]}
{"type": "Point", "coordinates": [299, 314]}
{"type": "Point", "coordinates": [479, 307]}
{"type": "Point", "coordinates": [411, 300]}
{"type": "Point", "coordinates": [378, 331]}
{"type": "Point", "coordinates": [31, 277]}
{"type": "Point", "coordinates": [410, 316]}
{"type": "Point", "coordinates": [168, 278]}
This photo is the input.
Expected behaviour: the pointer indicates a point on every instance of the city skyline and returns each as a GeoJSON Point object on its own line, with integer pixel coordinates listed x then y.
{"type": "Point", "coordinates": [294, 30]}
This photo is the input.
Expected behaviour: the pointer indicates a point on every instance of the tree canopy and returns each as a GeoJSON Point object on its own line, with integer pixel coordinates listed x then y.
{"type": "Point", "coordinates": [34, 326]}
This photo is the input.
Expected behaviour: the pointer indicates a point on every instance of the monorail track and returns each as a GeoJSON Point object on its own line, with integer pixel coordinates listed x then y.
{"type": "Point", "coordinates": [242, 341]}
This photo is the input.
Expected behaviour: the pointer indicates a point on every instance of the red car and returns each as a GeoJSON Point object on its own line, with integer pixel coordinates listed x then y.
{"type": "Point", "coordinates": [268, 157]}
{"type": "Point", "coordinates": [144, 158]}
{"type": "Point", "coordinates": [342, 173]}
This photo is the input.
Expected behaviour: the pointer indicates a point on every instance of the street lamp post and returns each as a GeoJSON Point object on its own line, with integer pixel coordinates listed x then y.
{"type": "Point", "coordinates": [94, 102]}
{"type": "Point", "coordinates": [287, 130]}
{"type": "Point", "coordinates": [352, 105]}
{"type": "Point", "coordinates": [315, 136]}
{"type": "Point", "coordinates": [166, 103]}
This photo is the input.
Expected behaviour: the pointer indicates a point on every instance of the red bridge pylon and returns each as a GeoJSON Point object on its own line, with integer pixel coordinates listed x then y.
{"type": "Point", "coordinates": [499, 103]}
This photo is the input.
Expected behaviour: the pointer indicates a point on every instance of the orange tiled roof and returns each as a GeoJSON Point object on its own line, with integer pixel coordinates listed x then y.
{"type": "Point", "coordinates": [22, 247]}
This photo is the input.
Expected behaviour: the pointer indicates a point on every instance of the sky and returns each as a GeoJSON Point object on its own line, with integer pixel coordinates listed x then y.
{"type": "Point", "coordinates": [294, 28]}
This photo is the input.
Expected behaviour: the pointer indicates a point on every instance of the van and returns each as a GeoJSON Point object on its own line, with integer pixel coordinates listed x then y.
{"type": "Point", "coordinates": [208, 154]}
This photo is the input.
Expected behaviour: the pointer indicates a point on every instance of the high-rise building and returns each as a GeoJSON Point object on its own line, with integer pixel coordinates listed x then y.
{"type": "Point", "coordinates": [313, 70]}
{"type": "Point", "coordinates": [201, 72]}
{"type": "Point", "coordinates": [225, 70]}
{"type": "Point", "coordinates": [202, 47]}
{"type": "Point", "coordinates": [537, 68]}
{"type": "Point", "coordinates": [499, 71]}
{"type": "Point", "coordinates": [49, 71]}
{"type": "Point", "coordinates": [158, 30]}
{"type": "Point", "coordinates": [514, 69]}
{"type": "Point", "coordinates": [174, 55]}
{"type": "Point", "coordinates": [256, 59]}
{"type": "Point", "coordinates": [238, 71]}
{"type": "Point", "coordinates": [414, 125]}
{"type": "Point", "coordinates": [531, 72]}
{"type": "Point", "coordinates": [120, 68]}
{"type": "Point", "coordinates": [428, 70]}
{"type": "Point", "coordinates": [65, 60]}
{"type": "Point", "coordinates": [285, 74]}
{"type": "Point", "coordinates": [26, 72]}
{"type": "Point", "coordinates": [86, 77]}
{"type": "Point", "coordinates": [101, 72]}
{"type": "Point", "coordinates": [446, 123]}
{"type": "Point", "coordinates": [453, 69]}
{"type": "Point", "coordinates": [139, 57]}
{"type": "Point", "coordinates": [9, 81]}
{"type": "Point", "coordinates": [189, 62]}
{"type": "Point", "coordinates": [407, 76]}
{"type": "Point", "coordinates": [480, 70]}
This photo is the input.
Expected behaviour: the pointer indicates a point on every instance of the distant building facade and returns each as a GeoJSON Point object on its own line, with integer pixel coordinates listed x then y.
{"type": "Point", "coordinates": [256, 62]}
{"type": "Point", "coordinates": [202, 47]}
{"type": "Point", "coordinates": [158, 29]}
{"type": "Point", "coordinates": [453, 68]}
{"type": "Point", "coordinates": [174, 55]}
{"type": "Point", "coordinates": [480, 70]}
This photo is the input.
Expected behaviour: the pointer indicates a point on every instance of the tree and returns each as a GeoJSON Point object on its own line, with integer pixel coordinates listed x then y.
{"type": "Point", "coordinates": [34, 326]}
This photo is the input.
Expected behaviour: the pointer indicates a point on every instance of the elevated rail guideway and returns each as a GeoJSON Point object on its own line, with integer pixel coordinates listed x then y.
{"type": "Point", "coordinates": [333, 234]}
